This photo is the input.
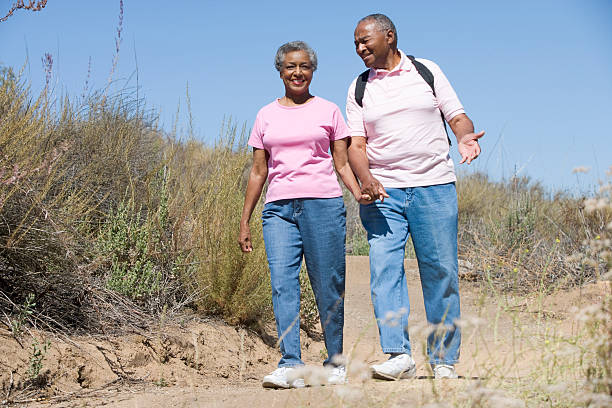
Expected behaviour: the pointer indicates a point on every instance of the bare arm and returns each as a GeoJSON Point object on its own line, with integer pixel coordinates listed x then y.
{"type": "Point", "coordinates": [339, 151]}
{"type": "Point", "coordinates": [467, 140]}
{"type": "Point", "coordinates": [360, 165]}
{"type": "Point", "coordinates": [257, 179]}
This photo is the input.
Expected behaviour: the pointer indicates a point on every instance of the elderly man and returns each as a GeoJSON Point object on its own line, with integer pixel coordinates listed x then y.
{"type": "Point", "coordinates": [400, 153]}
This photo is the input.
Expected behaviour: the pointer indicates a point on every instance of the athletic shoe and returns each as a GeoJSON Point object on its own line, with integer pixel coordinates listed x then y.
{"type": "Point", "coordinates": [283, 377]}
{"type": "Point", "coordinates": [399, 366]}
{"type": "Point", "coordinates": [444, 371]}
{"type": "Point", "coordinates": [337, 375]}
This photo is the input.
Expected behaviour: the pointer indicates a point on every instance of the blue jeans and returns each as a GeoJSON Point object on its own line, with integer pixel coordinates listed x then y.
{"type": "Point", "coordinates": [316, 229]}
{"type": "Point", "coordinates": [429, 214]}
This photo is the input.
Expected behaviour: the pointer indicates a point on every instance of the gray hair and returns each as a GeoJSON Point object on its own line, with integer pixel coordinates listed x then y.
{"type": "Point", "coordinates": [383, 23]}
{"type": "Point", "coordinates": [284, 49]}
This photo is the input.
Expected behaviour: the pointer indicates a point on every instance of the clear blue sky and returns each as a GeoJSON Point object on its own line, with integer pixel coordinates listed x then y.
{"type": "Point", "coordinates": [535, 75]}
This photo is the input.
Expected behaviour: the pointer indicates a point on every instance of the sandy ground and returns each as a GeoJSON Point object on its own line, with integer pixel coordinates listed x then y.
{"type": "Point", "coordinates": [210, 364]}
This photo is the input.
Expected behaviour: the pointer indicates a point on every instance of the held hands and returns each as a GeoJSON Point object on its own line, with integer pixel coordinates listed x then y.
{"type": "Point", "coordinates": [468, 146]}
{"type": "Point", "coordinates": [372, 190]}
{"type": "Point", "coordinates": [244, 238]}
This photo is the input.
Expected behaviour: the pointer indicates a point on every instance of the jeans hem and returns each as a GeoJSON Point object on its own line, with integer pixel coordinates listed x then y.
{"type": "Point", "coordinates": [288, 365]}
{"type": "Point", "coordinates": [396, 350]}
{"type": "Point", "coordinates": [446, 362]}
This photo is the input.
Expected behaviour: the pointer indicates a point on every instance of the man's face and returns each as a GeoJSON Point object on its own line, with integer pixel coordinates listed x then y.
{"type": "Point", "coordinates": [372, 44]}
{"type": "Point", "coordinates": [296, 72]}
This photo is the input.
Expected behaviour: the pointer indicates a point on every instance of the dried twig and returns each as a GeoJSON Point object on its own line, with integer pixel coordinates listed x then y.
{"type": "Point", "coordinates": [32, 6]}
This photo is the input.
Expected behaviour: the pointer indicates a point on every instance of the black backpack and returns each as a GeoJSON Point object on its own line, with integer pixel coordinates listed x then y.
{"type": "Point", "coordinates": [362, 81]}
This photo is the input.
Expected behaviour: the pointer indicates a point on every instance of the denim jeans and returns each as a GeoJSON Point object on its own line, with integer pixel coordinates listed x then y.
{"type": "Point", "coordinates": [429, 214]}
{"type": "Point", "coordinates": [316, 229]}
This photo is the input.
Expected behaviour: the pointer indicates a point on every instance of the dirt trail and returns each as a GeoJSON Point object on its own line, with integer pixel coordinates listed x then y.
{"type": "Point", "coordinates": [210, 364]}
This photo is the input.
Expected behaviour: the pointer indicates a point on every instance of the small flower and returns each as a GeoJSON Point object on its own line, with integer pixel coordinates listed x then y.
{"type": "Point", "coordinates": [581, 169]}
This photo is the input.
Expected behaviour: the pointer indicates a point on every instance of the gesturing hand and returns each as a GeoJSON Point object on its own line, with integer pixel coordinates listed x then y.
{"type": "Point", "coordinates": [468, 146]}
{"type": "Point", "coordinates": [244, 239]}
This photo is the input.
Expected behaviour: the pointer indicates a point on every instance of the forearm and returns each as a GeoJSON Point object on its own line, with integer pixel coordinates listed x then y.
{"type": "Point", "coordinates": [461, 125]}
{"type": "Point", "coordinates": [349, 180]}
{"type": "Point", "coordinates": [359, 163]}
{"type": "Point", "coordinates": [253, 192]}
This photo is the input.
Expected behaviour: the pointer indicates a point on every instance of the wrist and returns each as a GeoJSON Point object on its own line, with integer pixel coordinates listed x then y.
{"type": "Point", "coordinates": [366, 179]}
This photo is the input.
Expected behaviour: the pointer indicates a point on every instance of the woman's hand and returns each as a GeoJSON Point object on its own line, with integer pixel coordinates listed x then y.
{"type": "Point", "coordinates": [244, 238]}
{"type": "Point", "coordinates": [364, 199]}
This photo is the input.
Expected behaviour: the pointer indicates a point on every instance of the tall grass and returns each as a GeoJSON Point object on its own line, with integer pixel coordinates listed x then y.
{"type": "Point", "coordinates": [106, 220]}
{"type": "Point", "coordinates": [519, 235]}
{"type": "Point", "coordinates": [212, 182]}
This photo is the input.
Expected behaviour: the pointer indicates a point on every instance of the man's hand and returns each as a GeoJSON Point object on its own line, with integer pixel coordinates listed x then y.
{"type": "Point", "coordinates": [468, 146]}
{"type": "Point", "coordinates": [374, 190]}
{"type": "Point", "coordinates": [244, 238]}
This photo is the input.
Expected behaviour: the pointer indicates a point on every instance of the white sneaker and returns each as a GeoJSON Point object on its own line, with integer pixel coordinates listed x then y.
{"type": "Point", "coordinates": [337, 375]}
{"type": "Point", "coordinates": [399, 366]}
{"type": "Point", "coordinates": [444, 371]}
{"type": "Point", "coordinates": [283, 377]}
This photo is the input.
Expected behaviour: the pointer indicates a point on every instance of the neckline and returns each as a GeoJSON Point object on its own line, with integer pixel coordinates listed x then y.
{"type": "Point", "coordinates": [277, 101]}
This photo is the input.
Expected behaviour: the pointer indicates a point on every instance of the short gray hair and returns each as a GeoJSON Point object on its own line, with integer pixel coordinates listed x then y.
{"type": "Point", "coordinates": [383, 23]}
{"type": "Point", "coordinates": [284, 49]}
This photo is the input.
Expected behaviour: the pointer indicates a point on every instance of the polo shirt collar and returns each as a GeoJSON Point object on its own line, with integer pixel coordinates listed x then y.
{"type": "Point", "coordinates": [404, 65]}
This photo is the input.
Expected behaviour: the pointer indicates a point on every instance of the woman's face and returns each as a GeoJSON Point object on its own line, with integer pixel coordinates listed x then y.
{"type": "Point", "coordinates": [296, 72]}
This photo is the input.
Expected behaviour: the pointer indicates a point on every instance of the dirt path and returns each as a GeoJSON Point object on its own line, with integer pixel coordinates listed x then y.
{"type": "Point", "coordinates": [213, 365]}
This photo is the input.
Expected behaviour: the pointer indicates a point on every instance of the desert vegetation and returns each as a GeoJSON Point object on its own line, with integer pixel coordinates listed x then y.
{"type": "Point", "coordinates": [109, 224]}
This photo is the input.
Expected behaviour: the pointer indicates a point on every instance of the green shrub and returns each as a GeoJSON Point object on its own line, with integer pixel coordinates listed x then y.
{"type": "Point", "coordinates": [124, 241]}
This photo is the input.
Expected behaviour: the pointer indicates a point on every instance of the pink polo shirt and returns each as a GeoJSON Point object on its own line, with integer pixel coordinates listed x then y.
{"type": "Point", "coordinates": [297, 139]}
{"type": "Point", "coordinates": [400, 118]}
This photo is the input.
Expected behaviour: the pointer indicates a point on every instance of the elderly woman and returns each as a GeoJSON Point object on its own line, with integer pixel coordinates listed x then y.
{"type": "Point", "coordinates": [304, 213]}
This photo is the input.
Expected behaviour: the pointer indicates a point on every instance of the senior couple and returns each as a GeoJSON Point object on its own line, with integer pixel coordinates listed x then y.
{"type": "Point", "coordinates": [397, 147]}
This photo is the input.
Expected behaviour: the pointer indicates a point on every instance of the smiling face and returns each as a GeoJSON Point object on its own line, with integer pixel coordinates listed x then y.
{"type": "Point", "coordinates": [296, 73]}
{"type": "Point", "coordinates": [373, 45]}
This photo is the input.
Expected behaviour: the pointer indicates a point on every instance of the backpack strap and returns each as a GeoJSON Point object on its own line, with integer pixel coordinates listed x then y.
{"type": "Point", "coordinates": [360, 85]}
{"type": "Point", "coordinates": [429, 78]}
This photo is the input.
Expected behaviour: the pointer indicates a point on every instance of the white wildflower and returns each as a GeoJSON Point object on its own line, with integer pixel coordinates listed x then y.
{"type": "Point", "coordinates": [358, 369]}
{"type": "Point", "coordinates": [348, 393]}
{"type": "Point", "coordinates": [437, 405]}
{"type": "Point", "coordinates": [312, 375]}
{"type": "Point", "coordinates": [581, 169]}
{"type": "Point", "coordinates": [506, 402]}
{"type": "Point", "coordinates": [558, 388]}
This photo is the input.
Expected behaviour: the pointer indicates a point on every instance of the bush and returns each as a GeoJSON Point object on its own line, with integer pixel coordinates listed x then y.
{"type": "Point", "coordinates": [520, 236]}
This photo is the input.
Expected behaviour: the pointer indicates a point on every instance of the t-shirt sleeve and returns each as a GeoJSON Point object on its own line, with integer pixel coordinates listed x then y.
{"type": "Point", "coordinates": [256, 138]}
{"type": "Point", "coordinates": [448, 102]}
{"type": "Point", "coordinates": [354, 113]}
{"type": "Point", "coordinates": [340, 130]}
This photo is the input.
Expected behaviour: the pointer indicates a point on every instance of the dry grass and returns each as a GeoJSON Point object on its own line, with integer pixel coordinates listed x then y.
{"type": "Point", "coordinates": [107, 223]}
{"type": "Point", "coordinates": [519, 236]}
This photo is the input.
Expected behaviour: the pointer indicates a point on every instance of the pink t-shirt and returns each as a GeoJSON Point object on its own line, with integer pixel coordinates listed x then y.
{"type": "Point", "coordinates": [400, 118]}
{"type": "Point", "coordinates": [297, 139]}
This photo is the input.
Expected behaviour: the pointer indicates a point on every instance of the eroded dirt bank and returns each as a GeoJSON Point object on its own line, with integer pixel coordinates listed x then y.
{"type": "Point", "coordinates": [207, 363]}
